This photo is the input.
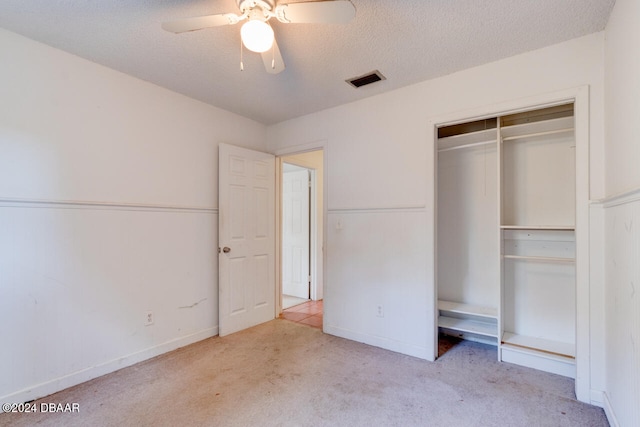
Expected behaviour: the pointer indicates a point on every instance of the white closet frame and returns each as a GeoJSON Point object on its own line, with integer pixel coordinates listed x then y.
{"type": "Point", "coordinates": [579, 96]}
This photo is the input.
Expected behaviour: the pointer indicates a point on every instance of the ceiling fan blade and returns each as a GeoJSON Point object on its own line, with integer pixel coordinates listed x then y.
{"type": "Point", "coordinates": [272, 59]}
{"type": "Point", "coordinates": [200, 22]}
{"type": "Point", "coordinates": [317, 12]}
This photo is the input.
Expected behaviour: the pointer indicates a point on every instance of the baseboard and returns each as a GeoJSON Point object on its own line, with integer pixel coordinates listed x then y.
{"type": "Point", "coordinates": [596, 398]}
{"type": "Point", "coordinates": [44, 389]}
{"type": "Point", "coordinates": [385, 343]}
{"type": "Point", "coordinates": [539, 360]}
{"type": "Point", "coordinates": [608, 411]}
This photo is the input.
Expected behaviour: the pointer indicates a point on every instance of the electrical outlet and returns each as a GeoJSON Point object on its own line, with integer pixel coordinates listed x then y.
{"type": "Point", "coordinates": [379, 310]}
{"type": "Point", "coordinates": [149, 318]}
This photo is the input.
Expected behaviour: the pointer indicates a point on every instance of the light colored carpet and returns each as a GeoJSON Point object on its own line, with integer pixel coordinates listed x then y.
{"type": "Point", "coordinates": [285, 374]}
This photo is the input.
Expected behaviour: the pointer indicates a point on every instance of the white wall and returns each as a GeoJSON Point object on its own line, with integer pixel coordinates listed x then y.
{"type": "Point", "coordinates": [622, 214]}
{"type": "Point", "coordinates": [622, 102]}
{"type": "Point", "coordinates": [380, 187]}
{"type": "Point", "coordinates": [468, 249]}
{"type": "Point", "coordinates": [108, 209]}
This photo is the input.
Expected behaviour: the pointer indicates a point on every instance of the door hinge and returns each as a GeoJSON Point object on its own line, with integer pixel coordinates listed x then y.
{"type": "Point", "coordinates": [309, 278]}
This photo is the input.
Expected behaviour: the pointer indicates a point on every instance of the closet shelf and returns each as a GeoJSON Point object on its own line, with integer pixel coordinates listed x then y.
{"type": "Point", "coordinates": [527, 136]}
{"type": "Point", "coordinates": [469, 318]}
{"type": "Point", "coordinates": [488, 136]}
{"type": "Point", "coordinates": [540, 258]}
{"type": "Point", "coordinates": [467, 309]}
{"type": "Point", "coordinates": [545, 127]}
{"type": "Point", "coordinates": [539, 227]}
{"type": "Point", "coordinates": [469, 325]}
{"type": "Point", "coordinates": [557, 348]}
{"type": "Point", "coordinates": [458, 147]}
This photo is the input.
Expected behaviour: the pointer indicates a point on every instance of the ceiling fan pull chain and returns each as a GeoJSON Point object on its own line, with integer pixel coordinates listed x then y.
{"type": "Point", "coordinates": [241, 63]}
{"type": "Point", "coordinates": [273, 56]}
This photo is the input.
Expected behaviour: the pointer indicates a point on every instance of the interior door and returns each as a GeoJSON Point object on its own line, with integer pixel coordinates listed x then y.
{"type": "Point", "coordinates": [246, 232]}
{"type": "Point", "coordinates": [295, 233]}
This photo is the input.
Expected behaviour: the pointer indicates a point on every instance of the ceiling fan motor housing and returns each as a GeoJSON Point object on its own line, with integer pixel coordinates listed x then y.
{"type": "Point", "coordinates": [257, 14]}
{"type": "Point", "coordinates": [244, 5]}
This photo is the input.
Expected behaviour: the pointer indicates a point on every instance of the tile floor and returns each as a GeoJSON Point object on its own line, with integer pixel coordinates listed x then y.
{"type": "Point", "coordinates": [289, 301]}
{"type": "Point", "coordinates": [308, 313]}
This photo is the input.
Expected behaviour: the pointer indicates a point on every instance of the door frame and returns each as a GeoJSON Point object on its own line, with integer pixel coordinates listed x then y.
{"type": "Point", "coordinates": [289, 151]}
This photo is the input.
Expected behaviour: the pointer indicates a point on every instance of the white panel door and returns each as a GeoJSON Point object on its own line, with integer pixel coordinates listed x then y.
{"type": "Point", "coordinates": [295, 233]}
{"type": "Point", "coordinates": [246, 231]}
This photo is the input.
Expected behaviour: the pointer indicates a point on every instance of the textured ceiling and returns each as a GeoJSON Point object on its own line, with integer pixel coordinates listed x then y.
{"type": "Point", "coordinates": [408, 41]}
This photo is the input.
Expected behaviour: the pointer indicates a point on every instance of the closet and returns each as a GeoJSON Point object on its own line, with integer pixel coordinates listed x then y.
{"type": "Point", "coordinates": [506, 242]}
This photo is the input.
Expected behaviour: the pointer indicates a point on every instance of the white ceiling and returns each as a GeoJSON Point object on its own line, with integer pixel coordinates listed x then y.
{"type": "Point", "coordinates": [407, 40]}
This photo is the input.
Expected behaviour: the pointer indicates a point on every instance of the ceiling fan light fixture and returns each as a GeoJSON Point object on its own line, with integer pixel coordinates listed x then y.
{"type": "Point", "coordinates": [256, 33]}
{"type": "Point", "coordinates": [257, 36]}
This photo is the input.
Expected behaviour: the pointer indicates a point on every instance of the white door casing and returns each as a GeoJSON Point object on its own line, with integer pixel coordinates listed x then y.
{"type": "Point", "coordinates": [246, 230]}
{"type": "Point", "coordinates": [295, 233]}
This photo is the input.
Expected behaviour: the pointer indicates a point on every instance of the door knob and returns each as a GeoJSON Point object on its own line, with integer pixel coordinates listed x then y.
{"type": "Point", "coordinates": [226, 249]}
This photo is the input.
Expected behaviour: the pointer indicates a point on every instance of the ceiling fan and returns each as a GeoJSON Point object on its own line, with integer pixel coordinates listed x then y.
{"type": "Point", "coordinates": [257, 35]}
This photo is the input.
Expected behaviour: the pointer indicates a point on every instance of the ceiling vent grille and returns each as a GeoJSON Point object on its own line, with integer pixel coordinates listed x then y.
{"type": "Point", "coordinates": [366, 79]}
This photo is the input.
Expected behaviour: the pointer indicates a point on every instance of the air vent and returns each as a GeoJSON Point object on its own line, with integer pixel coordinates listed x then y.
{"type": "Point", "coordinates": [367, 79]}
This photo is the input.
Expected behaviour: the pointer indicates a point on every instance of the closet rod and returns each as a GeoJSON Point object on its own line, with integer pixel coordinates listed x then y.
{"type": "Point", "coordinates": [540, 258]}
{"type": "Point", "coordinates": [529, 135]}
{"type": "Point", "coordinates": [473, 144]}
{"type": "Point", "coordinates": [539, 227]}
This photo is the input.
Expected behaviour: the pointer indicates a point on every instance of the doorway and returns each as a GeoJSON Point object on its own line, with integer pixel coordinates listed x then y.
{"type": "Point", "coordinates": [301, 230]}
